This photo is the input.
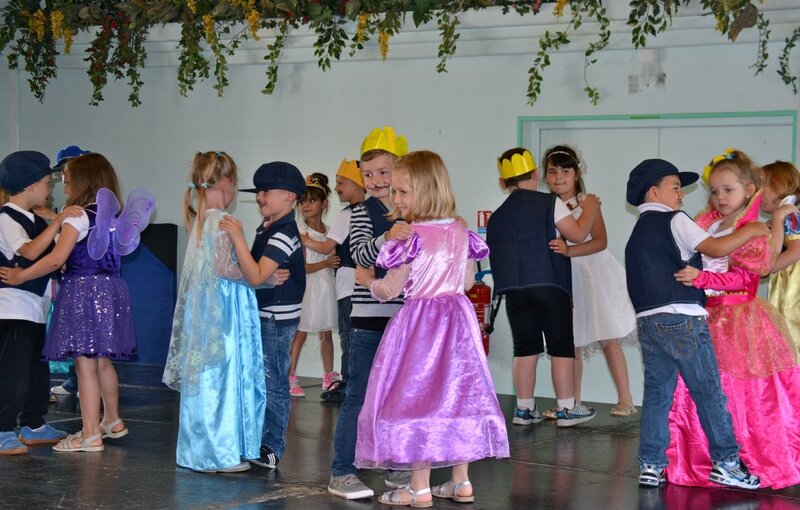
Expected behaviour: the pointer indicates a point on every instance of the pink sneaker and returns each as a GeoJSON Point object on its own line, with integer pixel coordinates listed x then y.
{"type": "Point", "coordinates": [329, 378]}
{"type": "Point", "coordinates": [294, 387]}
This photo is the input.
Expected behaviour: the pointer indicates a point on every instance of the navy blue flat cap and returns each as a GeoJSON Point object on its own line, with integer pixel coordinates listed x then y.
{"type": "Point", "coordinates": [648, 173]}
{"type": "Point", "coordinates": [278, 175]}
{"type": "Point", "coordinates": [23, 168]}
{"type": "Point", "coordinates": [67, 153]}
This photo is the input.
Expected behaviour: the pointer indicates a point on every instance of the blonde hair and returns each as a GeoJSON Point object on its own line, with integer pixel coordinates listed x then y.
{"type": "Point", "coordinates": [3, 196]}
{"type": "Point", "coordinates": [783, 178]}
{"type": "Point", "coordinates": [87, 174]}
{"type": "Point", "coordinates": [433, 195]}
{"type": "Point", "coordinates": [745, 170]}
{"type": "Point", "coordinates": [208, 168]}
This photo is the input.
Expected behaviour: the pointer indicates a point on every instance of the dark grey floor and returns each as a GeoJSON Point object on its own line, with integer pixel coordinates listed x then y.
{"type": "Point", "coordinates": [592, 466]}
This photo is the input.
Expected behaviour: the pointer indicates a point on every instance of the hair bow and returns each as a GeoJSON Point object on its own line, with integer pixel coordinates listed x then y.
{"type": "Point", "coordinates": [729, 154]}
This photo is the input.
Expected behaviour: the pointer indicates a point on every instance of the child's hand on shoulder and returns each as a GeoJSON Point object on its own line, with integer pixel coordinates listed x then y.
{"type": "Point", "coordinates": [365, 275]}
{"type": "Point", "coordinates": [560, 246]}
{"type": "Point", "coordinates": [756, 229]}
{"type": "Point", "coordinates": [399, 231]}
{"type": "Point", "coordinates": [71, 211]}
{"type": "Point", "coordinates": [590, 201]}
{"type": "Point", "coordinates": [783, 211]}
{"type": "Point", "coordinates": [232, 226]}
{"type": "Point", "coordinates": [687, 275]}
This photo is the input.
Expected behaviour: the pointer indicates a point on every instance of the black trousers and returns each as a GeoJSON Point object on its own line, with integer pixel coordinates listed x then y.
{"type": "Point", "coordinates": [24, 377]}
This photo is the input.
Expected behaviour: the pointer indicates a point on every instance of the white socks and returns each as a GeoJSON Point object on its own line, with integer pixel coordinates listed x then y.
{"type": "Point", "coordinates": [567, 403]}
{"type": "Point", "coordinates": [526, 403]}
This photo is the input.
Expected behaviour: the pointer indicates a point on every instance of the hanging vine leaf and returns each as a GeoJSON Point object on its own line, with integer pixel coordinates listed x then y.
{"type": "Point", "coordinates": [448, 21]}
{"type": "Point", "coordinates": [192, 65]}
{"type": "Point", "coordinates": [273, 54]}
{"type": "Point", "coordinates": [763, 41]}
{"type": "Point", "coordinates": [788, 77]}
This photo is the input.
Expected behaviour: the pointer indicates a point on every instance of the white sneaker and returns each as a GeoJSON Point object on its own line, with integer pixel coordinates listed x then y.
{"type": "Point", "coordinates": [59, 390]}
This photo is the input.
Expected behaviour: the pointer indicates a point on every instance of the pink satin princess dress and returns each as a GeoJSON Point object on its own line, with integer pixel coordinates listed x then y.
{"type": "Point", "coordinates": [758, 372]}
{"type": "Point", "coordinates": [430, 399]}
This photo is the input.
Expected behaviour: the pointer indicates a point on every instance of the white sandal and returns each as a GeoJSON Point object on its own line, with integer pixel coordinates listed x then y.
{"type": "Point", "coordinates": [449, 490]}
{"type": "Point", "coordinates": [109, 432]}
{"type": "Point", "coordinates": [395, 497]}
{"type": "Point", "coordinates": [84, 445]}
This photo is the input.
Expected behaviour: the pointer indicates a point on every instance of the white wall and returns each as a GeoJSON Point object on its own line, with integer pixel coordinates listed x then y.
{"type": "Point", "coordinates": [314, 119]}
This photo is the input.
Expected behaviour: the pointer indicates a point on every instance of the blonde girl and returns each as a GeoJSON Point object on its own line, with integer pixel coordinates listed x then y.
{"type": "Point", "coordinates": [92, 321]}
{"type": "Point", "coordinates": [434, 340]}
{"type": "Point", "coordinates": [215, 348]}
{"type": "Point", "coordinates": [603, 316]}
{"type": "Point", "coordinates": [319, 312]}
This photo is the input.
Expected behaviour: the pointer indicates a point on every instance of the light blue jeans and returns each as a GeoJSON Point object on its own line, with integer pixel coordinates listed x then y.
{"type": "Point", "coordinates": [276, 340]}
{"type": "Point", "coordinates": [672, 344]}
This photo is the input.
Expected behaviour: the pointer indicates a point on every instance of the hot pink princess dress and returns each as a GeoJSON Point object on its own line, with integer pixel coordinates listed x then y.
{"type": "Point", "coordinates": [430, 399]}
{"type": "Point", "coordinates": [758, 372]}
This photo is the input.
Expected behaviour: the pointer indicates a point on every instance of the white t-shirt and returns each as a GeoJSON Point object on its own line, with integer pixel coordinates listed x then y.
{"type": "Point", "coordinates": [560, 211]}
{"type": "Point", "coordinates": [81, 224]}
{"type": "Point", "coordinates": [345, 276]}
{"type": "Point", "coordinates": [17, 304]}
{"type": "Point", "coordinates": [687, 235]}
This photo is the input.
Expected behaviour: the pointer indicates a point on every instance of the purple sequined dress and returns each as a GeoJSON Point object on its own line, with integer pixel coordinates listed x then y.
{"type": "Point", "coordinates": [92, 313]}
{"type": "Point", "coordinates": [430, 399]}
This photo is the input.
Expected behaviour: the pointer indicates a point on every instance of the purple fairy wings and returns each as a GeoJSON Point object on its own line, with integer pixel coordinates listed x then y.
{"type": "Point", "coordinates": [125, 228]}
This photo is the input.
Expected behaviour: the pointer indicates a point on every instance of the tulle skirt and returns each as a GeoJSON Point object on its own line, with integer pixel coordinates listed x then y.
{"type": "Point", "coordinates": [430, 400]}
{"type": "Point", "coordinates": [92, 317]}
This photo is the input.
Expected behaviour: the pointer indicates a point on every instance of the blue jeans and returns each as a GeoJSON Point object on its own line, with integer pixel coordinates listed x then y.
{"type": "Point", "coordinates": [363, 345]}
{"type": "Point", "coordinates": [345, 307]}
{"type": "Point", "coordinates": [276, 339]}
{"type": "Point", "coordinates": [672, 344]}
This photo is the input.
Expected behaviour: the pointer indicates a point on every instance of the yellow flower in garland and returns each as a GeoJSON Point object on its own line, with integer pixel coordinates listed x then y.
{"type": "Point", "coordinates": [36, 23]}
{"type": "Point", "coordinates": [68, 33]}
{"type": "Point", "coordinates": [361, 28]}
{"type": "Point", "coordinates": [56, 20]}
{"type": "Point", "coordinates": [251, 4]}
{"type": "Point", "coordinates": [254, 23]}
{"type": "Point", "coordinates": [558, 10]}
{"type": "Point", "coordinates": [208, 28]}
{"type": "Point", "coordinates": [383, 44]}
{"type": "Point", "coordinates": [192, 6]}
{"type": "Point", "coordinates": [235, 3]}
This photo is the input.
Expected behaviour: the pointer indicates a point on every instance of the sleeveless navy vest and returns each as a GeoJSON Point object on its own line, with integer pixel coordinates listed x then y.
{"type": "Point", "coordinates": [291, 291]}
{"type": "Point", "coordinates": [33, 229]}
{"type": "Point", "coordinates": [343, 249]}
{"type": "Point", "coordinates": [518, 234]}
{"type": "Point", "coordinates": [651, 260]}
{"type": "Point", "coordinates": [380, 224]}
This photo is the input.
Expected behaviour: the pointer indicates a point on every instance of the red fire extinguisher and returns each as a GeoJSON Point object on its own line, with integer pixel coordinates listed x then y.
{"type": "Point", "coordinates": [480, 295]}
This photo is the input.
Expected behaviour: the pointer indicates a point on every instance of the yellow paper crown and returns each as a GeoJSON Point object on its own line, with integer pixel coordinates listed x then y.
{"type": "Point", "coordinates": [350, 170]}
{"type": "Point", "coordinates": [385, 139]}
{"type": "Point", "coordinates": [518, 164]}
{"type": "Point", "coordinates": [729, 154]}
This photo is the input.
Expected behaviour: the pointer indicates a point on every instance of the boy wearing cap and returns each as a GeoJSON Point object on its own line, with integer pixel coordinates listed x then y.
{"type": "Point", "coordinates": [24, 239]}
{"type": "Point", "coordinates": [350, 188]}
{"type": "Point", "coordinates": [671, 321]}
{"type": "Point", "coordinates": [369, 229]}
{"type": "Point", "coordinates": [537, 283]}
{"type": "Point", "coordinates": [276, 247]}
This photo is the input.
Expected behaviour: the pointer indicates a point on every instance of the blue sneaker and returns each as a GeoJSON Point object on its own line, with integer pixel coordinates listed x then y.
{"type": "Point", "coordinates": [43, 435]}
{"type": "Point", "coordinates": [10, 445]}
{"type": "Point", "coordinates": [733, 474]}
{"type": "Point", "coordinates": [524, 416]}
{"type": "Point", "coordinates": [570, 417]}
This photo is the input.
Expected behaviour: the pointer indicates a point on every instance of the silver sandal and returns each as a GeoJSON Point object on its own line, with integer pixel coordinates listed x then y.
{"type": "Point", "coordinates": [395, 497]}
{"type": "Point", "coordinates": [84, 445]}
{"type": "Point", "coordinates": [449, 490]}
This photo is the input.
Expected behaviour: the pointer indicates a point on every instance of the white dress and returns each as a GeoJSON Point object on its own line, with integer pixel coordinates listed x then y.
{"type": "Point", "coordinates": [319, 309]}
{"type": "Point", "coordinates": [602, 309]}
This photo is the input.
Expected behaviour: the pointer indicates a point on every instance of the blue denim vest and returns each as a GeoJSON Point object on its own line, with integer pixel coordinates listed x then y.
{"type": "Point", "coordinates": [518, 233]}
{"type": "Point", "coordinates": [651, 260]}
{"type": "Point", "coordinates": [33, 229]}
{"type": "Point", "coordinates": [343, 249]}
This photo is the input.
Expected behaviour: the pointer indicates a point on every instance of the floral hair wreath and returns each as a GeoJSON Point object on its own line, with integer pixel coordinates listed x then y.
{"type": "Point", "coordinates": [582, 167]}
{"type": "Point", "coordinates": [728, 154]}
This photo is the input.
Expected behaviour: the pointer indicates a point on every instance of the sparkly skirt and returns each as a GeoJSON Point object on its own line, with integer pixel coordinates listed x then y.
{"type": "Point", "coordinates": [92, 317]}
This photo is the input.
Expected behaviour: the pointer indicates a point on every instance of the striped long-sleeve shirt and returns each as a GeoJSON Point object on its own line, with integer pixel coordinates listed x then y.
{"type": "Point", "coordinates": [365, 243]}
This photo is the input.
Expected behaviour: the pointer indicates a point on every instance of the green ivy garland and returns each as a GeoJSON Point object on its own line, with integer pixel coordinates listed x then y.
{"type": "Point", "coordinates": [30, 33]}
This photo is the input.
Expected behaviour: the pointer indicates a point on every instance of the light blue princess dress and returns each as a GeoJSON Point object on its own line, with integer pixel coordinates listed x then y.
{"type": "Point", "coordinates": [215, 358]}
